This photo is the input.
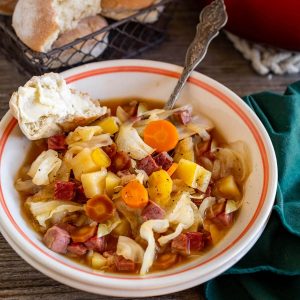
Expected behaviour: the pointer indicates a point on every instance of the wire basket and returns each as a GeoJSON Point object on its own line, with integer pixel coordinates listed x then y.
{"type": "Point", "coordinates": [120, 39]}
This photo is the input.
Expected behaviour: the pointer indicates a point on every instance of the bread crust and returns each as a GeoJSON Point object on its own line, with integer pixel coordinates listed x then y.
{"type": "Point", "coordinates": [35, 23]}
{"type": "Point", "coordinates": [7, 7]}
{"type": "Point", "coordinates": [120, 5]}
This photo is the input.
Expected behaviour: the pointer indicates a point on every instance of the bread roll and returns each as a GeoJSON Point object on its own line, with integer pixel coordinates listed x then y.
{"type": "Point", "coordinates": [38, 23]}
{"type": "Point", "coordinates": [91, 46]}
{"type": "Point", "coordinates": [7, 6]}
{"type": "Point", "coordinates": [46, 106]}
{"type": "Point", "coordinates": [121, 9]}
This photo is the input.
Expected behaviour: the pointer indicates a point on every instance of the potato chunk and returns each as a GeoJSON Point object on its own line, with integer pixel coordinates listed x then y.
{"type": "Point", "coordinates": [160, 187]}
{"type": "Point", "coordinates": [83, 163]}
{"type": "Point", "coordinates": [100, 158]}
{"type": "Point", "coordinates": [108, 125]}
{"type": "Point", "coordinates": [227, 187]}
{"type": "Point", "coordinates": [112, 180]}
{"type": "Point", "coordinates": [93, 183]}
{"type": "Point", "coordinates": [185, 149]}
{"type": "Point", "coordinates": [193, 174]}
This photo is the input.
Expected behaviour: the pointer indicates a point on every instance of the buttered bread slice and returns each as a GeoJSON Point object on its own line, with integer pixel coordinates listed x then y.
{"type": "Point", "coordinates": [46, 106]}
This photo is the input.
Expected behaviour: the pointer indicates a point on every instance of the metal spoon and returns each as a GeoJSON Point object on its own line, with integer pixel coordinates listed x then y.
{"type": "Point", "coordinates": [212, 18]}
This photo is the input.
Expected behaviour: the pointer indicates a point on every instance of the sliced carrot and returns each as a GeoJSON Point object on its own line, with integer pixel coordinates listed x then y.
{"type": "Point", "coordinates": [161, 135]}
{"type": "Point", "coordinates": [166, 261]}
{"type": "Point", "coordinates": [134, 194]}
{"type": "Point", "coordinates": [100, 208]}
{"type": "Point", "coordinates": [172, 169]}
{"type": "Point", "coordinates": [82, 234]}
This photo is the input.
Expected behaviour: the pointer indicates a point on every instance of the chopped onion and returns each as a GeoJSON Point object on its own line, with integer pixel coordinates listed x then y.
{"type": "Point", "coordinates": [128, 140]}
{"type": "Point", "coordinates": [107, 227]}
{"type": "Point", "coordinates": [206, 203]}
{"type": "Point", "coordinates": [95, 142]}
{"type": "Point", "coordinates": [122, 115]}
{"type": "Point", "coordinates": [231, 206]}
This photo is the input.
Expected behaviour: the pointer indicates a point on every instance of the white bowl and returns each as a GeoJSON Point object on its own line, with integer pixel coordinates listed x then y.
{"type": "Point", "coordinates": [152, 80]}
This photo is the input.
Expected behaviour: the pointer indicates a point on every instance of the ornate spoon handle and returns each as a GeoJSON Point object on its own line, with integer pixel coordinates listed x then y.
{"type": "Point", "coordinates": [212, 18]}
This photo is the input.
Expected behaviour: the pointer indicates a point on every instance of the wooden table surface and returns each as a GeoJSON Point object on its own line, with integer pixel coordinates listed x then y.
{"type": "Point", "coordinates": [18, 280]}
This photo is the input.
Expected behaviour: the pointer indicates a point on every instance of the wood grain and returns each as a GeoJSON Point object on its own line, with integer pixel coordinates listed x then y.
{"type": "Point", "coordinates": [18, 280]}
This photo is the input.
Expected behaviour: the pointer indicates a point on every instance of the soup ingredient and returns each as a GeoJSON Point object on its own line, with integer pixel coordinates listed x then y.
{"type": "Point", "coordinates": [123, 264]}
{"type": "Point", "coordinates": [147, 233]}
{"type": "Point", "coordinates": [100, 208]}
{"type": "Point", "coordinates": [148, 164]}
{"type": "Point", "coordinates": [189, 242]}
{"type": "Point", "coordinates": [82, 234]}
{"type": "Point", "coordinates": [96, 243]}
{"type": "Point", "coordinates": [161, 135]}
{"type": "Point", "coordinates": [129, 141]}
{"type": "Point", "coordinates": [182, 215]}
{"type": "Point", "coordinates": [165, 261]}
{"type": "Point", "coordinates": [193, 174]}
{"type": "Point", "coordinates": [83, 134]}
{"type": "Point", "coordinates": [123, 228]}
{"type": "Point", "coordinates": [206, 203]}
{"type": "Point", "coordinates": [94, 183]}
{"type": "Point", "coordinates": [77, 249]}
{"type": "Point", "coordinates": [44, 210]}
{"type": "Point", "coordinates": [130, 249]}
{"type": "Point", "coordinates": [185, 149]}
{"type": "Point", "coordinates": [108, 226]}
{"type": "Point", "coordinates": [111, 181]}
{"type": "Point", "coordinates": [160, 187]}
{"type": "Point", "coordinates": [231, 206]}
{"type": "Point", "coordinates": [183, 116]}
{"type": "Point", "coordinates": [64, 190]}
{"type": "Point", "coordinates": [57, 239]}
{"type": "Point", "coordinates": [134, 194]}
{"type": "Point", "coordinates": [172, 169]}
{"type": "Point", "coordinates": [45, 167]}
{"type": "Point", "coordinates": [97, 261]}
{"type": "Point", "coordinates": [226, 187]}
{"type": "Point", "coordinates": [46, 106]}
{"type": "Point", "coordinates": [152, 212]}
{"type": "Point", "coordinates": [108, 125]}
{"type": "Point", "coordinates": [101, 158]}
{"type": "Point", "coordinates": [120, 162]}
{"type": "Point", "coordinates": [97, 141]}
{"type": "Point", "coordinates": [164, 160]}
{"type": "Point", "coordinates": [57, 142]}
{"type": "Point", "coordinates": [83, 163]}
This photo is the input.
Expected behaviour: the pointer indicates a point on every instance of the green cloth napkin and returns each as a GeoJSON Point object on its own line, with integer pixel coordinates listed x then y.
{"type": "Point", "coordinates": [271, 269]}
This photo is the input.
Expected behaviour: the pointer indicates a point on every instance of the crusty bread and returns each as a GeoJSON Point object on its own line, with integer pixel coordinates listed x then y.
{"type": "Point", "coordinates": [46, 106]}
{"type": "Point", "coordinates": [7, 6]}
{"type": "Point", "coordinates": [93, 47]}
{"type": "Point", "coordinates": [38, 23]}
{"type": "Point", "coordinates": [121, 9]}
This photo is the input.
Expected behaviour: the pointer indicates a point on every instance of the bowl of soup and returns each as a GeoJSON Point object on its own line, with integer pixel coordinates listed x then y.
{"type": "Point", "coordinates": [143, 201]}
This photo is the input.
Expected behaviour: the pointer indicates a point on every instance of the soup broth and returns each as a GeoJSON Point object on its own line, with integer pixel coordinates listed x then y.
{"type": "Point", "coordinates": [92, 238]}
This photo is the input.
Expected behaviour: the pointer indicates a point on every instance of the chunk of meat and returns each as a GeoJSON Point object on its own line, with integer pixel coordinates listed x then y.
{"type": "Point", "coordinates": [164, 160]}
{"type": "Point", "coordinates": [183, 116]}
{"type": "Point", "coordinates": [121, 161]}
{"type": "Point", "coordinates": [96, 243]}
{"type": "Point", "coordinates": [223, 220]}
{"type": "Point", "coordinates": [67, 227]}
{"type": "Point", "coordinates": [78, 249]}
{"type": "Point", "coordinates": [64, 190]}
{"type": "Point", "coordinates": [123, 264]}
{"type": "Point", "coordinates": [148, 164]}
{"type": "Point", "coordinates": [110, 150]}
{"type": "Point", "coordinates": [57, 239]}
{"type": "Point", "coordinates": [80, 196]}
{"type": "Point", "coordinates": [190, 242]}
{"type": "Point", "coordinates": [152, 212]}
{"type": "Point", "coordinates": [57, 142]}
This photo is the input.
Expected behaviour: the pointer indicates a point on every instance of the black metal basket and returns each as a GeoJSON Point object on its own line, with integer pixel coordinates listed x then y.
{"type": "Point", "coordinates": [120, 39]}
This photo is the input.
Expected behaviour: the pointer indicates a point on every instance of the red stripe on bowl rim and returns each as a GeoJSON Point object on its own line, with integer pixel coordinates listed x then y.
{"type": "Point", "coordinates": [221, 96]}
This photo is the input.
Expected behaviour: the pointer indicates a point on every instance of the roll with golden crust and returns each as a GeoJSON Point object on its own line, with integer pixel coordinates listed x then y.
{"type": "Point", "coordinates": [121, 9]}
{"type": "Point", "coordinates": [7, 7]}
{"type": "Point", "coordinates": [38, 23]}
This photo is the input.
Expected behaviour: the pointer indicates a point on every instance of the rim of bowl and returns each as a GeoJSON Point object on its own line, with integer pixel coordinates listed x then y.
{"type": "Point", "coordinates": [229, 253]}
